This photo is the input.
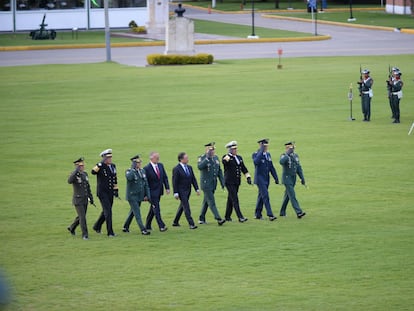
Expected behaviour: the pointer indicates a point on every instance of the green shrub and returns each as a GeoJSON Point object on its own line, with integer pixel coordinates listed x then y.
{"type": "Point", "coordinates": [175, 59]}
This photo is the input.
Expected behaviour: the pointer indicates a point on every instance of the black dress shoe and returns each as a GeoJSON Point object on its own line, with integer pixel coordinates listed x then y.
{"type": "Point", "coordinates": [163, 229]}
{"type": "Point", "coordinates": [85, 237]}
{"type": "Point", "coordinates": [193, 227]}
{"type": "Point", "coordinates": [258, 217]}
{"type": "Point", "coordinates": [300, 215]}
{"type": "Point", "coordinates": [243, 219]}
{"type": "Point", "coordinates": [72, 232]}
{"type": "Point", "coordinates": [221, 222]}
{"type": "Point", "coordinates": [145, 232]}
{"type": "Point", "coordinates": [229, 219]}
{"type": "Point", "coordinates": [282, 215]}
{"type": "Point", "coordinates": [126, 230]}
{"type": "Point", "coordinates": [176, 224]}
{"type": "Point", "coordinates": [202, 222]}
{"type": "Point", "coordinates": [98, 231]}
{"type": "Point", "coordinates": [112, 235]}
{"type": "Point", "coordinates": [272, 218]}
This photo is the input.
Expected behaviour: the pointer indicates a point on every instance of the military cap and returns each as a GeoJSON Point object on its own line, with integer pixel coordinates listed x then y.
{"type": "Point", "coordinates": [264, 141]}
{"type": "Point", "coordinates": [79, 161]}
{"type": "Point", "coordinates": [365, 71]}
{"type": "Point", "coordinates": [290, 143]}
{"type": "Point", "coordinates": [398, 73]}
{"type": "Point", "coordinates": [106, 153]}
{"type": "Point", "coordinates": [395, 69]}
{"type": "Point", "coordinates": [136, 159]}
{"type": "Point", "coordinates": [210, 145]}
{"type": "Point", "coordinates": [231, 145]}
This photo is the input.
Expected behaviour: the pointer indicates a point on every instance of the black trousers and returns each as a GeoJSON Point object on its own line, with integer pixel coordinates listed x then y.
{"type": "Point", "coordinates": [107, 200]}
{"type": "Point", "coordinates": [233, 201]}
{"type": "Point", "coordinates": [184, 207]}
{"type": "Point", "coordinates": [155, 210]}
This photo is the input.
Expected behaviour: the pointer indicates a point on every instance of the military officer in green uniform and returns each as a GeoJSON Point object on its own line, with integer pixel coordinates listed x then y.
{"type": "Point", "coordinates": [81, 194]}
{"type": "Point", "coordinates": [137, 190]}
{"type": "Point", "coordinates": [365, 90]}
{"type": "Point", "coordinates": [291, 167]}
{"type": "Point", "coordinates": [395, 87]}
{"type": "Point", "coordinates": [210, 170]}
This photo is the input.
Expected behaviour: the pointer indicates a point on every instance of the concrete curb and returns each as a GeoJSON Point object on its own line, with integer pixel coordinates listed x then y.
{"type": "Point", "coordinates": [160, 43]}
{"type": "Point", "coordinates": [360, 26]}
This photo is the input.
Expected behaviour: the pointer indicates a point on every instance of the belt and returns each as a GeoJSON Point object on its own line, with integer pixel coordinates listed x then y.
{"type": "Point", "coordinates": [395, 93]}
{"type": "Point", "coordinates": [365, 92]}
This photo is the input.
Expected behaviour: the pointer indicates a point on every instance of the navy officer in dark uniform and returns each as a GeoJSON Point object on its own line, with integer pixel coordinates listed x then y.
{"type": "Point", "coordinates": [233, 169]}
{"type": "Point", "coordinates": [81, 194]}
{"type": "Point", "coordinates": [291, 167]}
{"type": "Point", "coordinates": [263, 168]}
{"type": "Point", "coordinates": [107, 189]}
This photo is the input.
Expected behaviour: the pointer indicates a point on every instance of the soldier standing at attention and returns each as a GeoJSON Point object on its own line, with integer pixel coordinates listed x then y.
{"type": "Point", "coordinates": [209, 166]}
{"type": "Point", "coordinates": [137, 190]}
{"type": "Point", "coordinates": [107, 189]}
{"type": "Point", "coordinates": [395, 85]}
{"type": "Point", "coordinates": [365, 90]}
{"type": "Point", "coordinates": [233, 169]}
{"type": "Point", "coordinates": [263, 168]}
{"type": "Point", "coordinates": [81, 194]}
{"type": "Point", "coordinates": [291, 167]}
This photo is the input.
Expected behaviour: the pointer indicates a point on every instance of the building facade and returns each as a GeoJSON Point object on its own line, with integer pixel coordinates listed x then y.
{"type": "Point", "coordinates": [26, 15]}
{"type": "Point", "coordinates": [405, 7]}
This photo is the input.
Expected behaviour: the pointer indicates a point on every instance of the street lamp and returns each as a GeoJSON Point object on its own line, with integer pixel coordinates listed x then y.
{"type": "Point", "coordinates": [351, 18]}
{"type": "Point", "coordinates": [253, 35]}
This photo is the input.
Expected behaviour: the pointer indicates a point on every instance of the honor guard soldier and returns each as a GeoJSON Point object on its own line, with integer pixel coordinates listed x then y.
{"type": "Point", "coordinates": [389, 82]}
{"type": "Point", "coordinates": [365, 90]}
{"type": "Point", "coordinates": [107, 189]}
{"type": "Point", "coordinates": [291, 167]}
{"type": "Point", "coordinates": [263, 168]}
{"type": "Point", "coordinates": [210, 171]}
{"type": "Point", "coordinates": [81, 194]}
{"type": "Point", "coordinates": [395, 87]}
{"type": "Point", "coordinates": [234, 167]}
{"type": "Point", "coordinates": [137, 190]}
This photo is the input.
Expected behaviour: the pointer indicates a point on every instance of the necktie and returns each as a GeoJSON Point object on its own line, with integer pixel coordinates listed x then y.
{"type": "Point", "coordinates": [187, 172]}
{"type": "Point", "coordinates": [157, 171]}
{"type": "Point", "coordinates": [237, 160]}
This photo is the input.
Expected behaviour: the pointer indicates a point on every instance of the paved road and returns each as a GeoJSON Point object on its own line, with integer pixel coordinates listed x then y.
{"type": "Point", "coordinates": [345, 41]}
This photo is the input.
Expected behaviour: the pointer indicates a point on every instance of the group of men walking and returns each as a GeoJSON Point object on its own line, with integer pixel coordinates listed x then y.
{"type": "Point", "coordinates": [394, 90]}
{"type": "Point", "coordinates": [149, 183]}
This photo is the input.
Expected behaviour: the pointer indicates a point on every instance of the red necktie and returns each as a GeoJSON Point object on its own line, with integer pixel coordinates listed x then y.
{"type": "Point", "coordinates": [157, 171]}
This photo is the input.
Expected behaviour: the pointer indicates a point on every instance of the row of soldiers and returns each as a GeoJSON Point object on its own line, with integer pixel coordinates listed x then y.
{"type": "Point", "coordinates": [149, 183]}
{"type": "Point", "coordinates": [394, 91]}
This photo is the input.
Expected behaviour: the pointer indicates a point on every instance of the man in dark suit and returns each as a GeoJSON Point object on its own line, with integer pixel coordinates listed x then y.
{"type": "Point", "coordinates": [263, 168]}
{"type": "Point", "coordinates": [81, 194]}
{"type": "Point", "coordinates": [183, 177]}
{"type": "Point", "coordinates": [233, 169]}
{"type": "Point", "coordinates": [107, 189]}
{"type": "Point", "coordinates": [157, 180]}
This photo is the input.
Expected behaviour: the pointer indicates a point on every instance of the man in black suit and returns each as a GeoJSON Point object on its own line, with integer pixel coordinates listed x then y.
{"type": "Point", "coordinates": [157, 180]}
{"type": "Point", "coordinates": [233, 169]}
{"type": "Point", "coordinates": [107, 189]}
{"type": "Point", "coordinates": [183, 177]}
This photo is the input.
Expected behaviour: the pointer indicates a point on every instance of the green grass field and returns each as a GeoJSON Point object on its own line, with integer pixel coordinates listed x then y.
{"type": "Point", "coordinates": [241, 31]}
{"type": "Point", "coordinates": [362, 17]}
{"type": "Point", "coordinates": [353, 251]}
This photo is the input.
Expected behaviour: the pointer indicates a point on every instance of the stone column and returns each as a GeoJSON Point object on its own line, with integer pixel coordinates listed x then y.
{"type": "Point", "coordinates": [179, 37]}
{"type": "Point", "coordinates": [157, 16]}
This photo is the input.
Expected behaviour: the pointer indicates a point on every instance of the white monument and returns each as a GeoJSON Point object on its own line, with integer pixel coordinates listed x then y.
{"type": "Point", "coordinates": [179, 35]}
{"type": "Point", "coordinates": [158, 16]}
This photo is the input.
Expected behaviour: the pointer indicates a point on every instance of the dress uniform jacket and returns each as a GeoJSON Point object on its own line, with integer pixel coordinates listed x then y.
{"type": "Point", "coordinates": [264, 165]}
{"type": "Point", "coordinates": [81, 188]}
{"type": "Point", "coordinates": [137, 185]}
{"type": "Point", "coordinates": [232, 169]}
{"type": "Point", "coordinates": [210, 170]}
{"type": "Point", "coordinates": [291, 168]}
{"type": "Point", "coordinates": [107, 180]}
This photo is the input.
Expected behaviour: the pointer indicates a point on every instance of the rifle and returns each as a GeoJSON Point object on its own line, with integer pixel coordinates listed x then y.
{"type": "Point", "coordinates": [360, 79]}
{"type": "Point", "coordinates": [389, 80]}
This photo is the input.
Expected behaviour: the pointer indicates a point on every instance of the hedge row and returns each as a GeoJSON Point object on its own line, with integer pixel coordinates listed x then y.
{"type": "Point", "coordinates": [161, 59]}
